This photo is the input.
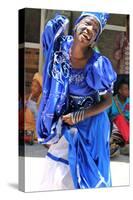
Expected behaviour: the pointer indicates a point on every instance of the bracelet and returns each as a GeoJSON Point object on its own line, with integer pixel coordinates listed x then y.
{"type": "Point", "coordinates": [78, 116]}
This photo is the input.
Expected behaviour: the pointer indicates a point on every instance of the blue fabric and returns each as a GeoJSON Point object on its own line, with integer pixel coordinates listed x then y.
{"type": "Point", "coordinates": [55, 78]}
{"type": "Point", "coordinates": [32, 105]}
{"type": "Point", "coordinates": [88, 154]}
{"type": "Point", "coordinates": [81, 102]}
{"type": "Point", "coordinates": [97, 75]}
{"type": "Point", "coordinates": [58, 159]}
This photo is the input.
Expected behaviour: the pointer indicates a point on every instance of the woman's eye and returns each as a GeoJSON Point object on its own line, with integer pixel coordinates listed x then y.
{"type": "Point", "coordinates": [88, 23]}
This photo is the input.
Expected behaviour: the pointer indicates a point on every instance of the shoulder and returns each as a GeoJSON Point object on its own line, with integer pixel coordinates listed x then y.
{"type": "Point", "coordinates": [98, 58]}
{"type": "Point", "coordinates": [100, 74]}
{"type": "Point", "coordinates": [102, 64]}
{"type": "Point", "coordinates": [103, 59]}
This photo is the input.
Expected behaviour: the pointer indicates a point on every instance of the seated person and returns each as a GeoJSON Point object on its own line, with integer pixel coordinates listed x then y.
{"type": "Point", "coordinates": [119, 117]}
{"type": "Point", "coordinates": [32, 104]}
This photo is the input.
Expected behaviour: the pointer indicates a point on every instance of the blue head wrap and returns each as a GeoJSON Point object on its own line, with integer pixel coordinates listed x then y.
{"type": "Point", "coordinates": [100, 17]}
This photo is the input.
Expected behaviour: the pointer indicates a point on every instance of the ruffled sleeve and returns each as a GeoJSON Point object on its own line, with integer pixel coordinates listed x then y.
{"type": "Point", "coordinates": [54, 91]}
{"type": "Point", "coordinates": [54, 28]}
{"type": "Point", "coordinates": [100, 75]}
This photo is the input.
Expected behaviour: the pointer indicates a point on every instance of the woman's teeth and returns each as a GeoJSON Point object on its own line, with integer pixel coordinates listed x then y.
{"type": "Point", "coordinates": [86, 36]}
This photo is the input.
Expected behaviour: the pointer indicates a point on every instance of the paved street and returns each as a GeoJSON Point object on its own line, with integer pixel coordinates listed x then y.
{"type": "Point", "coordinates": [120, 171]}
{"type": "Point", "coordinates": [34, 168]}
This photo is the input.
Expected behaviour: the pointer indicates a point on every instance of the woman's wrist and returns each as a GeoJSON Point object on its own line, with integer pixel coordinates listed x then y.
{"type": "Point", "coordinates": [78, 116]}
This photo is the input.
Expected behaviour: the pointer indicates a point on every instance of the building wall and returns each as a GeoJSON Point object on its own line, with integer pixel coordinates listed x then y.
{"type": "Point", "coordinates": [29, 33]}
{"type": "Point", "coordinates": [31, 66]}
{"type": "Point", "coordinates": [106, 41]}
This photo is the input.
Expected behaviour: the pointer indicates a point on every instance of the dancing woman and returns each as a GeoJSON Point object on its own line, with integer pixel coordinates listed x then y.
{"type": "Point", "coordinates": [77, 89]}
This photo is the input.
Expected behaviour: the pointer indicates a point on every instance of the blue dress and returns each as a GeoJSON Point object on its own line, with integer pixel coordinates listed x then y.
{"type": "Point", "coordinates": [65, 90]}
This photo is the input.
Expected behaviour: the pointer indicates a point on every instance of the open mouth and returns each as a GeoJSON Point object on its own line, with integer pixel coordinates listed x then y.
{"type": "Point", "coordinates": [85, 36]}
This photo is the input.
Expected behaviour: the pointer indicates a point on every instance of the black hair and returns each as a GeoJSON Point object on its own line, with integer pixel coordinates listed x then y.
{"type": "Point", "coordinates": [122, 82]}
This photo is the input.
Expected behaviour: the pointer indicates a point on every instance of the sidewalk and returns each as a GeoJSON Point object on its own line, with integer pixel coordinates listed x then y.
{"type": "Point", "coordinates": [120, 171]}
{"type": "Point", "coordinates": [34, 168]}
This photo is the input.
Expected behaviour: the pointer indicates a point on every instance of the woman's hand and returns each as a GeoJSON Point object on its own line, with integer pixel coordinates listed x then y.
{"type": "Point", "coordinates": [74, 117]}
{"type": "Point", "coordinates": [68, 119]}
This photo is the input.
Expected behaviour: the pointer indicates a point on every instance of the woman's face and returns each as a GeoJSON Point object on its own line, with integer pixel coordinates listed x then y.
{"type": "Point", "coordinates": [87, 30]}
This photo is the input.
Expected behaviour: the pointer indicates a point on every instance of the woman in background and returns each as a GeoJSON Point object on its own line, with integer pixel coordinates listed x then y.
{"type": "Point", "coordinates": [31, 108]}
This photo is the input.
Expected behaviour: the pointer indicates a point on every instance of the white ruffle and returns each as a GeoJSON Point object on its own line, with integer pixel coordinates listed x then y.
{"type": "Point", "coordinates": [57, 174]}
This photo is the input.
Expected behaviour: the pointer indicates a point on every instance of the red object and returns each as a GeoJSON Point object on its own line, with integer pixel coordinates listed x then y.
{"type": "Point", "coordinates": [28, 138]}
{"type": "Point", "coordinates": [123, 126]}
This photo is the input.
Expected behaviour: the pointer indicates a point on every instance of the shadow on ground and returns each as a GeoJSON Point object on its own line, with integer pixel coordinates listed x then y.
{"type": "Point", "coordinates": [13, 185]}
{"type": "Point", "coordinates": [121, 158]}
{"type": "Point", "coordinates": [35, 150]}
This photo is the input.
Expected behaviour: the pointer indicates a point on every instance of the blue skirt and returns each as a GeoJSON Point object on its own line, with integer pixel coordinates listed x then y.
{"type": "Point", "coordinates": [88, 153]}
